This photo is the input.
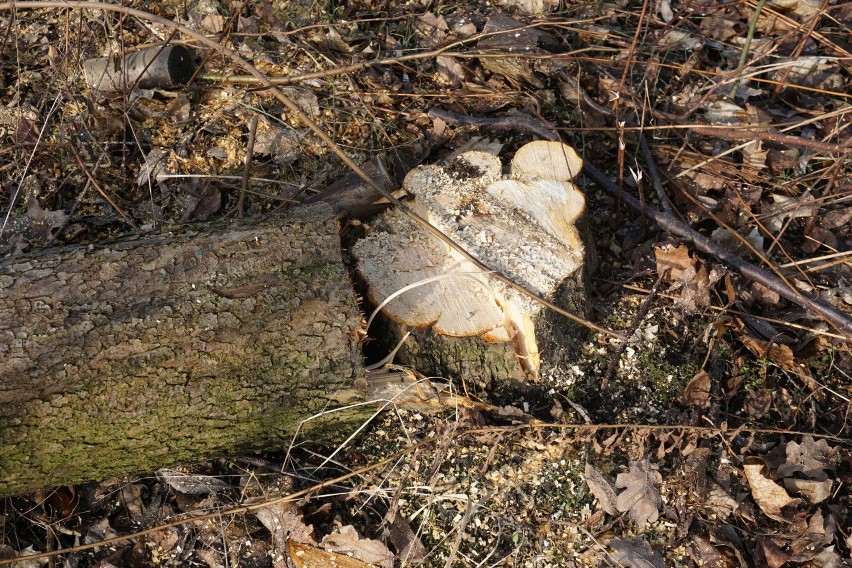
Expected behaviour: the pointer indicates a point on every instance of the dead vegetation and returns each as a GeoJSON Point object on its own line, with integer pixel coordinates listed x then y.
{"type": "Point", "coordinates": [715, 434]}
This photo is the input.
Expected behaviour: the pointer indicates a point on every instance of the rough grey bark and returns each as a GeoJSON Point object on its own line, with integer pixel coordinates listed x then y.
{"type": "Point", "coordinates": [172, 348]}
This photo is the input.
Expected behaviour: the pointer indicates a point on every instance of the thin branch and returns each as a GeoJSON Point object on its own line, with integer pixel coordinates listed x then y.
{"type": "Point", "coordinates": [749, 37]}
{"type": "Point", "coordinates": [98, 188]}
{"type": "Point", "coordinates": [637, 319]}
{"type": "Point", "coordinates": [752, 133]}
{"type": "Point", "coordinates": [248, 164]}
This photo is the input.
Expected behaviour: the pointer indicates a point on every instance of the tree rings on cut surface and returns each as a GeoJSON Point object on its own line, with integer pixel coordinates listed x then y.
{"type": "Point", "coordinates": [522, 224]}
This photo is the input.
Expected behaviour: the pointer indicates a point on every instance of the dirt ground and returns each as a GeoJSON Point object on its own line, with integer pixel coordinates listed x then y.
{"type": "Point", "coordinates": [716, 434]}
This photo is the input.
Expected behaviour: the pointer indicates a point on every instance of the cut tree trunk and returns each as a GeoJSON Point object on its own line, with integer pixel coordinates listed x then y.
{"type": "Point", "coordinates": [462, 323]}
{"type": "Point", "coordinates": [174, 348]}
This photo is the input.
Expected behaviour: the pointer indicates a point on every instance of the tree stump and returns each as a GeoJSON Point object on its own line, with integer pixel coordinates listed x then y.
{"type": "Point", "coordinates": [462, 322]}
{"type": "Point", "coordinates": [174, 348]}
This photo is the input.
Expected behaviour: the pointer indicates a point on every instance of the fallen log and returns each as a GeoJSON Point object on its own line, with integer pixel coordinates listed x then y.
{"type": "Point", "coordinates": [174, 348]}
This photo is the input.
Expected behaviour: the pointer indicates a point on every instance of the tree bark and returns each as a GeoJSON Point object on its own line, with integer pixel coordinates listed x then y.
{"type": "Point", "coordinates": [173, 348]}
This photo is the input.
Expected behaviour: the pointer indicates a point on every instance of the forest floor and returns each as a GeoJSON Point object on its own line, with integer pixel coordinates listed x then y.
{"type": "Point", "coordinates": [716, 435]}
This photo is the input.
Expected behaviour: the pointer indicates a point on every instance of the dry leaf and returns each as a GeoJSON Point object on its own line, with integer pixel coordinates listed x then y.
{"type": "Point", "coordinates": [665, 9]}
{"type": "Point", "coordinates": [281, 142]}
{"type": "Point", "coordinates": [529, 7]}
{"type": "Point", "coordinates": [307, 556]}
{"type": "Point", "coordinates": [763, 295]}
{"type": "Point", "coordinates": [448, 70]}
{"type": "Point", "coordinates": [191, 484]}
{"type": "Point", "coordinates": [827, 558]}
{"type": "Point", "coordinates": [780, 159]}
{"type": "Point", "coordinates": [818, 237]}
{"type": "Point", "coordinates": [674, 262]}
{"type": "Point", "coordinates": [734, 243]}
{"type": "Point", "coordinates": [697, 391]}
{"type": "Point", "coordinates": [775, 214]}
{"type": "Point", "coordinates": [722, 112]}
{"type": "Point", "coordinates": [836, 219]}
{"type": "Point", "coordinates": [780, 355]}
{"type": "Point", "coordinates": [430, 29]}
{"type": "Point", "coordinates": [405, 541]}
{"type": "Point", "coordinates": [601, 489]}
{"type": "Point", "coordinates": [635, 553]}
{"type": "Point", "coordinates": [812, 490]}
{"type": "Point", "coordinates": [754, 156]}
{"type": "Point", "coordinates": [773, 555]}
{"type": "Point", "coordinates": [705, 554]}
{"type": "Point", "coordinates": [810, 458]}
{"type": "Point", "coordinates": [36, 226]}
{"type": "Point", "coordinates": [213, 23]}
{"type": "Point", "coordinates": [681, 40]}
{"type": "Point", "coordinates": [287, 525]}
{"type": "Point", "coordinates": [757, 403]}
{"type": "Point", "coordinates": [720, 28]}
{"type": "Point", "coordinates": [641, 496]}
{"type": "Point", "coordinates": [810, 71]}
{"type": "Point", "coordinates": [769, 496]}
{"type": "Point", "coordinates": [818, 533]}
{"type": "Point", "coordinates": [347, 541]}
{"type": "Point", "coordinates": [207, 204]}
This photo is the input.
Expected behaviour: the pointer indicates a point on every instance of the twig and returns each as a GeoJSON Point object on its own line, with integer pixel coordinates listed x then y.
{"type": "Point", "coordinates": [801, 46]}
{"type": "Point", "coordinates": [248, 162]}
{"type": "Point", "coordinates": [654, 174]}
{"type": "Point", "coordinates": [518, 121]}
{"type": "Point", "coordinates": [752, 133]}
{"type": "Point", "coordinates": [637, 319]}
{"type": "Point", "coordinates": [616, 109]}
{"type": "Point", "coordinates": [98, 188]}
{"type": "Point", "coordinates": [797, 26]}
{"type": "Point", "coordinates": [750, 36]}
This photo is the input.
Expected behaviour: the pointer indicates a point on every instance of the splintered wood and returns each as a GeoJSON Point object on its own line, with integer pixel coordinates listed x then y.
{"type": "Point", "coordinates": [522, 224]}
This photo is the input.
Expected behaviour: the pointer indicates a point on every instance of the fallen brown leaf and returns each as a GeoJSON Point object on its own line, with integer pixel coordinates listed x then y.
{"type": "Point", "coordinates": [697, 391]}
{"type": "Point", "coordinates": [769, 496]}
{"type": "Point", "coordinates": [641, 495]}
{"type": "Point", "coordinates": [810, 458]}
{"type": "Point", "coordinates": [773, 555]}
{"type": "Point", "coordinates": [673, 262]}
{"type": "Point", "coordinates": [307, 556]}
{"type": "Point", "coordinates": [346, 541]}
{"type": "Point", "coordinates": [635, 553]}
{"type": "Point", "coordinates": [780, 355]}
{"type": "Point", "coordinates": [601, 488]}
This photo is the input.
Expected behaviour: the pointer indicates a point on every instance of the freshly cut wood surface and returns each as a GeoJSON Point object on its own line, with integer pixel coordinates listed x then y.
{"type": "Point", "coordinates": [522, 225]}
{"type": "Point", "coordinates": [543, 159]}
{"type": "Point", "coordinates": [173, 348]}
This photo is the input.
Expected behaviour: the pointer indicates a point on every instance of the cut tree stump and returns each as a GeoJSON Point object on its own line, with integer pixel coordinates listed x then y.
{"type": "Point", "coordinates": [464, 324]}
{"type": "Point", "coordinates": [174, 348]}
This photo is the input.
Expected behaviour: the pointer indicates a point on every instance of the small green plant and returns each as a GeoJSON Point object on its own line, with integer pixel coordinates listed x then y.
{"type": "Point", "coordinates": [519, 539]}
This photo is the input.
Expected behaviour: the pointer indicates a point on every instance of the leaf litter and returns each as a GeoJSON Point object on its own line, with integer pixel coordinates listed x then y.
{"type": "Point", "coordinates": [714, 350]}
